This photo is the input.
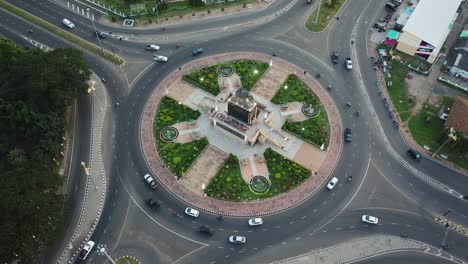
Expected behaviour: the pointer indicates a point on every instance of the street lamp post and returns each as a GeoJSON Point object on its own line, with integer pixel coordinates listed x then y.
{"type": "Point", "coordinates": [156, 6]}
{"type": "Point", "coordinates": [451, 135]}
{"type": "Point", "coordinates": [86, 169]}
{"type": "Point", "coordinates": [318, 12]}
{"type": "Point", "coordinates": [101, 250]}
{"type": "Point", "coordinates": [95, 32]}
{"type": "Point", "coordinates": [443, 244]}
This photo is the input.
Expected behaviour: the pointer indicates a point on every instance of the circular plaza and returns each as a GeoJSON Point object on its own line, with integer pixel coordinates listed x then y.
{"type": "Point", "coordinates": [241, 134]}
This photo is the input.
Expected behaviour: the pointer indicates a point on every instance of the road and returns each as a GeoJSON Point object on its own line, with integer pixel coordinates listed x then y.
{"type": "Point", "coordinates": [402, 193]}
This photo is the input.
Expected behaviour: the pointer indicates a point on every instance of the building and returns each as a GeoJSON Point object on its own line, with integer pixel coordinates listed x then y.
{"type": "Point", "coordinates": [457, 118]}
{"type": "Point", "coordinates": [457, 59]}
{"type": "Point", "coordinates": [425, 31]}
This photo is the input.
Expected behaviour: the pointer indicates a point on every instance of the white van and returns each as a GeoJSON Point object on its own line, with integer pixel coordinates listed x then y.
{"type": "Point", "coordinates": [68, 23]}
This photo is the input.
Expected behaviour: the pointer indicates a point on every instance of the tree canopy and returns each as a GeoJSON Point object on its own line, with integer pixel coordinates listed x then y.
{"type": "Point", "coordinates": [36, 89]}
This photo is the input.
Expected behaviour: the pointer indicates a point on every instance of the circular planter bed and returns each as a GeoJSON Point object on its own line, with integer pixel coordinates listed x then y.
{"type": "Point", "coordinates": [259, 184]}
{"type": "Point", "coordinates": [226, 70]}
{"type": "Point", "coordinates": [169, 134]}
{"type": "Point", "coordinates": [310, 110]}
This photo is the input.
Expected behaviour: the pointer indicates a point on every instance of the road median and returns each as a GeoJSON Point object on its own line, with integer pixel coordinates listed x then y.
{"type": "Point", "coordinates": [62, 33]}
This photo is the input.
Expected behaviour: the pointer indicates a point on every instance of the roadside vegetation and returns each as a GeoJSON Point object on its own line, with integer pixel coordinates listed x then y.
{"type": "Point", "coordinates": [178, 157]}
{"type": "Point", "coordinates": [313, 130]}
{"type": "Point", "coordinates": [402, 102]}
{"type": "Point", "coordinates": [429, 130]}
{"type": "Point", "coordinates": [327, 12]}
{"type": "Point", "coordinates": [37, 90]}
{"type": "Point", "coordinates": [62, 33]}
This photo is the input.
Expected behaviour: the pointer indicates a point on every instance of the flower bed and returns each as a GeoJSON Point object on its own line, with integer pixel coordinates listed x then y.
{"type": "Point", "coordinates": [229, 185]}
{"type": "Point", "coordinates": [178, 157]}
{"type": "Point", "coordinates": [313, 130]}
{"type": "Point", "coordinates": [285, 174]}
{"type": "Point", "coordinates": [205, 78]}
{"type": "Point", "coordinates": [249, 72]}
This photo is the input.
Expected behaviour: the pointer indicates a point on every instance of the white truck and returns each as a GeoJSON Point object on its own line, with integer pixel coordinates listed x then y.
{"type": "Point", "coordinates": [86, 249]}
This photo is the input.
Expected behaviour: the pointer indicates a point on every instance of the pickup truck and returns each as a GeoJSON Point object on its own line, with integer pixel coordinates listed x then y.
{"type": "Point", "coordinates": [86, 249]}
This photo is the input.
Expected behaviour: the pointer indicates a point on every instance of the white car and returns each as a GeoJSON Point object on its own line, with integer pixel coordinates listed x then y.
{"type": "Point", "coordinates": [86, 249]}
{"type": "Point", "coordinates": [332, 183]}
{"type": "Point", "coordinates": [237, 239]}
{"type": "Point", "coordinates": [152, 183]}
{"type": "Point", "coordinates": [68, 23]}
{"type": "Point", "coordinates": [192, 212]}
{"type": "Point", "coordinates": [151, 47]}
{"type": "Point", "coordinates": [370, 219]}
{"type": "Point", "coordinates": [160, 58]}
{"type": "Point", "coordinates": [349, 64]}
{"type": "Point", "coordinates": [255, 221]}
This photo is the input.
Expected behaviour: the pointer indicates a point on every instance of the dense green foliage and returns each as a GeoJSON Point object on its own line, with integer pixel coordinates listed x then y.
{"type": "Point", "coordinates": [36, 88]}
{"type": "Point", "coordinates": [246, 71]}
{"type": "Point", "coordinates": [313, 130]}
{"type": "Point", "coordinates": [178, 157]}
{"type": "Point", "coordinates": [205, 78]}
{"type": "Point", "coordinates": [229, 185]}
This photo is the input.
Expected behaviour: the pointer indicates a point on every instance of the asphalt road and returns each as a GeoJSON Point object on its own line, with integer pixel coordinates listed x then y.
{"type": "Point", "coordinates": [385, 181]}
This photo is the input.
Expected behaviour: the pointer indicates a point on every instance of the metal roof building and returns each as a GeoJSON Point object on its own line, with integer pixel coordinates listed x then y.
{"type": "Point", "coordinates": [427, 28]}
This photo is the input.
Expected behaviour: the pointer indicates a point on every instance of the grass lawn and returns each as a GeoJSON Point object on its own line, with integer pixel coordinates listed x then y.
{"type": "Point", "coordinates": [313, 130]}
{"type": "Point", "coordinates": [398, 94]}
{"type": "Point", "coordinates": [205, 78]}
{"type": "Point", "coordinates": [432, 133]}
{"type": "Point", "coordinates": [325, 16]}
{"type": "Point", "coordinates": [285, 174]}
{"type": "Point", "coordinates": [178, 157]}
{"type": "Point", "coordinates": [246, 71]}
{"type": "Point", "coordinates": [127, 260]}
{"type": "Point", "coordinates": [414, 61]}
{"type": "Point", "coordinates": [229, 185]}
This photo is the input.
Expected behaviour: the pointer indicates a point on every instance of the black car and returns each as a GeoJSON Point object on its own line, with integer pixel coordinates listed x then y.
{"type": "Point", "coordinates": [414, 154]}
{"type": "Point", "coordinates": [152, 204]}
{"type": "Point", "coordinates": [197, 51]}
{"type": "Point", "coordinates": [99, 34]}
{"type": "Point", "coordinates": [334, 57]}
{"type": "Point", "coordinates": [348, 135]}
{"type": "Point", "coordinates": [205, 230]}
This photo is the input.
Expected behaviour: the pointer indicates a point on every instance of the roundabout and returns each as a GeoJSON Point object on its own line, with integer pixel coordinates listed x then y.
{"type": "Point", "coordinates": [222, 142]}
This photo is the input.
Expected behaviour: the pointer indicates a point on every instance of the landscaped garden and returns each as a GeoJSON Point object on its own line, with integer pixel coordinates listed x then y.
{"type": "Point", "coordinates": [178, 157]}
{"type": "Point", "coordinates": [249, 71]}
{"type": "Point", "coordinates": [313, 130]}
{"type": "Point", "coordinates": [127, 260]}
{"type": "Point", "coordinates": [328, 10]}
{"type": "Point", "coordinates": [229, 185]}
{"type": "Point", "coordinates": [206, 78]}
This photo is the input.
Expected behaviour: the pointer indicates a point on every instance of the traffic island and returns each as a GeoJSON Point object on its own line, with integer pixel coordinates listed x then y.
{"type": "Point", "coordinates": [251, 164]}
{"type": "Point", "coordinates": [127, 260]}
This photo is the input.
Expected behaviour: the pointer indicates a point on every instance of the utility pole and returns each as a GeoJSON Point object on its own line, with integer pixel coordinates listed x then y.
{"type": "Point", "coordinates": [86, 169]}
{"type": "Point", "coordinates": [156, 5]}
{"type": "Point", "coordinates": [94, 28]}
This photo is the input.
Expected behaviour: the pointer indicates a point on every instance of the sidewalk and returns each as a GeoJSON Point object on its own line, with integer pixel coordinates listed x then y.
{"type": "Point", "coordinates": [94, 196]}
{"type": "Point", "coordinates": [356, 250]}
{"type": "Point", "coordinates": [280, 203]}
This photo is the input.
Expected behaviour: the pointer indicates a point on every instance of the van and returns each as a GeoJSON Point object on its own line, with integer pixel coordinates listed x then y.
{"type": "Point", "coordinates": [391, 6]}
{"type": "Point", "coordinates": [68, 23]}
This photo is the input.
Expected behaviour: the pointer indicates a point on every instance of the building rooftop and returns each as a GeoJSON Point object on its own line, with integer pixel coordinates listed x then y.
{"type": "Point", "coordinates": [457, 117]}
{"type": "Point", "coordinates": [432, 20]}
{"type": "Point", "coordinates": [458, 54]}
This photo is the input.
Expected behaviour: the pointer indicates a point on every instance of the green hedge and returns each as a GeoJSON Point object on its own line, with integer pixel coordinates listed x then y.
{"type": "Point", "coordinates": [62, 33]}
{"type": "Point", "coordinates": [178, 157]}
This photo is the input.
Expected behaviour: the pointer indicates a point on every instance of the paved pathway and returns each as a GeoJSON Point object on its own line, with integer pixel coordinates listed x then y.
{"type": "Point", "coordinates": [356, 250]}
{"type": "Point", "coordinates": [96, 185]}
{"type": "Point", "coordinates": [269, 206]}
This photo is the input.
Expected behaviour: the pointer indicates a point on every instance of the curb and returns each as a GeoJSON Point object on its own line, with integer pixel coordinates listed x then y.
{"type": "Point", "coordinates": [218, 207]}
{"type": "Point", "coordinates": [59, 37]}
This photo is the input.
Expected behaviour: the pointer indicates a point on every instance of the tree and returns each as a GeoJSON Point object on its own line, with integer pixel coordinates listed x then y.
{"type": "Point", "coordinates": [196, 3]}
{"type": "Point", "coordinates": [36, 88]}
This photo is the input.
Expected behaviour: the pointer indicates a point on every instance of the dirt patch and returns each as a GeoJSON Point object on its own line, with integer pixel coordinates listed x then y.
{"type": "Point", "coordinates": [270, 83]}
